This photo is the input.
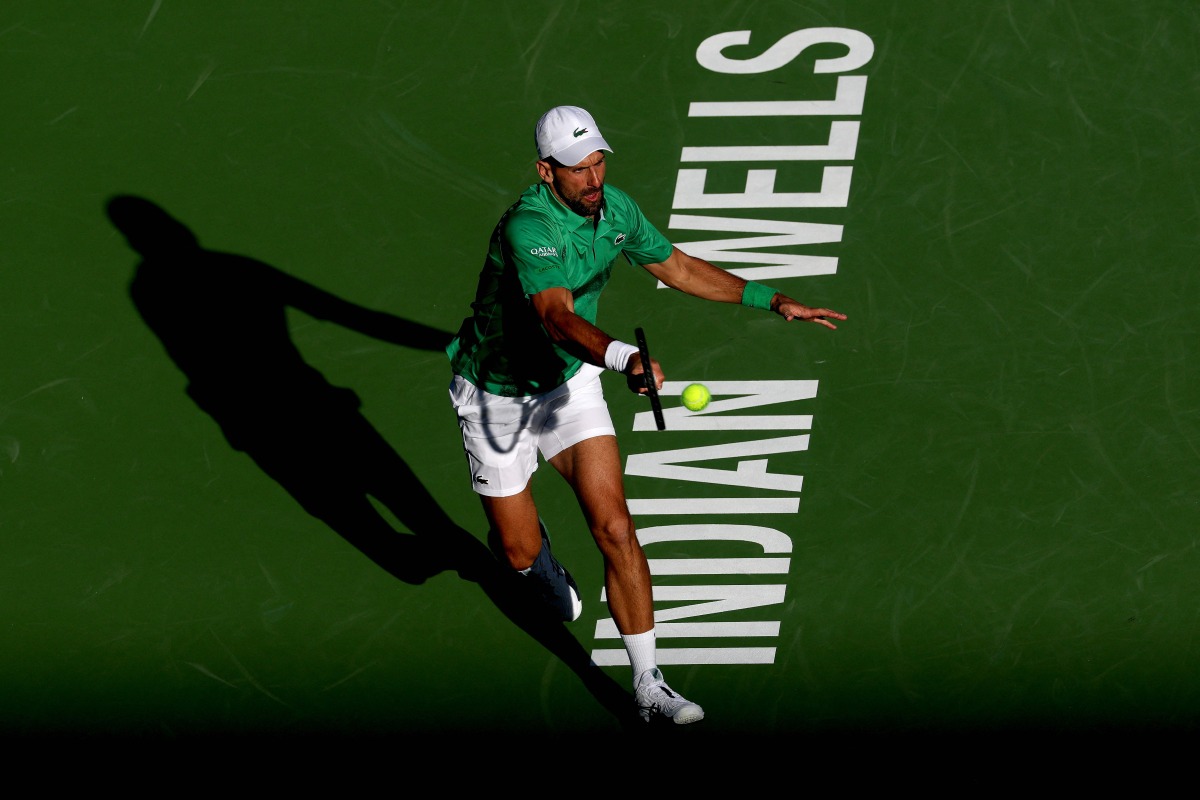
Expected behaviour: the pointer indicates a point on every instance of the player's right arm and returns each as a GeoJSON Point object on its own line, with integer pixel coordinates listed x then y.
{"type": "Point", "coordinates": [555, 307]}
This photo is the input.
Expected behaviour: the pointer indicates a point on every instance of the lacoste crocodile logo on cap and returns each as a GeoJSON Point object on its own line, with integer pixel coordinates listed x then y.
{"type": "Point", "coordinates": [568, 134]}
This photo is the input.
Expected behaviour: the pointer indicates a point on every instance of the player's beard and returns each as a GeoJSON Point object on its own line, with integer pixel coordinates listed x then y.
{"type": "Point", "coordinates": [579, 205]}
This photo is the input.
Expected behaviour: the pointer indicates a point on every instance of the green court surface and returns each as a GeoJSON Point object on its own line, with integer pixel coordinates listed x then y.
{"type": "Point", "coordinates": [233, 498]}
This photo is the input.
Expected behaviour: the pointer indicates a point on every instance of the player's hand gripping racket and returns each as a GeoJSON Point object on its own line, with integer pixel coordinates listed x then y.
{"type": "Point", "coordinates": [648, 376]}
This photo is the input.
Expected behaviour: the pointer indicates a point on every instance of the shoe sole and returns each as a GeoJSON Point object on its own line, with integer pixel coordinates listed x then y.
{"type": "Point", "coordinates": [682, 718]}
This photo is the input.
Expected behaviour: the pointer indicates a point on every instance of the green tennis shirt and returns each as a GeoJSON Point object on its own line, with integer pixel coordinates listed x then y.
{"type": "Point", "coordinates": [539, 244]}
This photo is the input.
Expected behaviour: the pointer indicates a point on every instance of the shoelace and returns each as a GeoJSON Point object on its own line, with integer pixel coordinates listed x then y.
{"type": "Point", "coordinates": [655, 689]}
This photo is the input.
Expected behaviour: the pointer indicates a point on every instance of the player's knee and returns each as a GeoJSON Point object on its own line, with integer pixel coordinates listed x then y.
{"type": "Point", "coordinates": [617, 535]}
{"type": "Point", "coordinates": [519, 552]}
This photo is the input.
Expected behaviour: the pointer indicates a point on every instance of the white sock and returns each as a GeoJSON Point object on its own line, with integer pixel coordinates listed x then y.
{"type": "Point", "coordinates": [641, 649]}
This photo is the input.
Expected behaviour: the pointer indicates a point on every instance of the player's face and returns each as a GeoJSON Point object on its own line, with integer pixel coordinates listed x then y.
{"type": "Point", "coordinates": [581, 187]}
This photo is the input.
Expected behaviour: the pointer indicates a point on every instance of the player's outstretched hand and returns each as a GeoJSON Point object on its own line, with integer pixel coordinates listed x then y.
{"type": "Point", "coordinates": [789, 309]}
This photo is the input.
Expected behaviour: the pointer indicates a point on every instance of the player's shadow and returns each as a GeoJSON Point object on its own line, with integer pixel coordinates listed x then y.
{"type": "Point", "coordinates": [223, 320]}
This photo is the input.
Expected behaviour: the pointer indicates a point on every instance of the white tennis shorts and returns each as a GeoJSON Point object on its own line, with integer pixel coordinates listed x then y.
{"type": "Point", "coordinates": [502, 436]}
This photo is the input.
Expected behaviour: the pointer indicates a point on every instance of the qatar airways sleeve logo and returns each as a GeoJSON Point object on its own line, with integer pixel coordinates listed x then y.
{"type": "Point", "coordinates": [544, 252]}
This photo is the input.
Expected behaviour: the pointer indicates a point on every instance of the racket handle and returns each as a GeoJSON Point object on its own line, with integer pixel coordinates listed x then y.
{"type": "Point", "coordinates": [648, 377]}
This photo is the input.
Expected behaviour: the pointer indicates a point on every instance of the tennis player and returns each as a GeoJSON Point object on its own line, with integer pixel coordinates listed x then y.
{"type": "Point", "coordinates": [526, 370]}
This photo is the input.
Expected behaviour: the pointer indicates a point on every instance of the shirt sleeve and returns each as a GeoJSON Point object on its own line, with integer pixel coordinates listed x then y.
{"type": "Point", "coordinates": [535, 249]}
{"type": "Point", "coordinates": [643, 244]}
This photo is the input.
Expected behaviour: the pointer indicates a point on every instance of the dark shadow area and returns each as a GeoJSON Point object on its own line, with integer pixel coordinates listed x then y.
{"type": "Point", "coordinates": [223, 321]}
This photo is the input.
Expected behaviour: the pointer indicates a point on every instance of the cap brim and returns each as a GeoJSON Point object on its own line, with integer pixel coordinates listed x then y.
{"type": "Point", "coordinates": [580, 150]}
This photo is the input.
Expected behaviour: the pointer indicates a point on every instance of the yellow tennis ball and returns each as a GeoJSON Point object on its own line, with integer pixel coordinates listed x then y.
{"type": "Point", "coordinates": [696, 397]}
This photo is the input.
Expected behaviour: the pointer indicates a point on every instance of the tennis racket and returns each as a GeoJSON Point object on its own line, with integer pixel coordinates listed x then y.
{"type": "Point", "coordinates": [648, 376]}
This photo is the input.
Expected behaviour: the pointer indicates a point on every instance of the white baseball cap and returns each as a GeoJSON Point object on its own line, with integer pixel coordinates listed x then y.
{"type": "Point", "coordinates": [568, 134]}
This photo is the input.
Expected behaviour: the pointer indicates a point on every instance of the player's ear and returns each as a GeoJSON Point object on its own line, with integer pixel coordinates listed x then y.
{"type": "Point", "coordinates": [545, 171]}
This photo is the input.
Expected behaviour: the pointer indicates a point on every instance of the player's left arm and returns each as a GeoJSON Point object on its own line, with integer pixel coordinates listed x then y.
{"type": "Point", "coordinates": [699, 278]}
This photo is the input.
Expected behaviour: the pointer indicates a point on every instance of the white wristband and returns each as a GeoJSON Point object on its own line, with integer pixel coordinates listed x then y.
{"type": "Point", "coordinates": [616, 357]}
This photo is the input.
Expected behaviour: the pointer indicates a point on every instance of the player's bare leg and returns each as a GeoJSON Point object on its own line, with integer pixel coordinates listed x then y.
{"type": "Point", "coordinates": [593, 468]}
{"type": "Point", "coordinates": [517, 537]}
{"type": "Point", "coordinates": [514, 519]}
